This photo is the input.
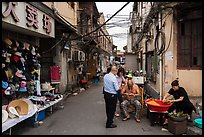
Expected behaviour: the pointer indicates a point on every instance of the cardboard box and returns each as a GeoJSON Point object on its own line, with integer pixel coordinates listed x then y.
{"type": "Point", "coordinates": [177, 128]}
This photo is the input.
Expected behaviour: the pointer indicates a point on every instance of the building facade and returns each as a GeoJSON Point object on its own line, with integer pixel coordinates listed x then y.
{"type": "Point", "coordinates": [170, 46]}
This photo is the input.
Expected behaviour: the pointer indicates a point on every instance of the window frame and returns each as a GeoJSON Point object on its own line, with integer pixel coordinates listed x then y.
{"type": "Point", "coordinates": [192, 46]}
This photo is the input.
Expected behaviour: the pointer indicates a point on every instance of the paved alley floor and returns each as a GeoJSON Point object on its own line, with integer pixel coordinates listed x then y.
{"type": "Point", "coordinates": [84, 114]}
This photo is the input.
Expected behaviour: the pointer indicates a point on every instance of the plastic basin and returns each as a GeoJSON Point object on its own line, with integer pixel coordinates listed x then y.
{"type": "Point", "coordinates": [157, 105]}
{"type": "Point", "coordinates": [198, 122]}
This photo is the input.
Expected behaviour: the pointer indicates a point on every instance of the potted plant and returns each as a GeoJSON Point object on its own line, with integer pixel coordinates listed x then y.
{"type": "Point", "coordinates": [179, 116]}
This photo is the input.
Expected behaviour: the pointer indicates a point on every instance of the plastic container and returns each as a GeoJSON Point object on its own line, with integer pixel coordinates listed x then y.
{"type": "Point", "coordinates": [178, 119]}
{"type": "Point", "coordinates": [157, 105]}
{"type": "Point", "coordinates": [41, 115]}
{"type": "Point", "coordinates": [177, 128]}
{"type": "Point", "coordinates": [198, 122]}
{"type": "Point", "coordinates": [34, 120]}
{"type": "Point", "coordinates": [84, 81]}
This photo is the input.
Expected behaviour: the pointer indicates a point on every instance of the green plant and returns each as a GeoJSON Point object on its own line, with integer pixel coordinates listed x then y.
{"type": "Point", "coordinates": [178, 114]}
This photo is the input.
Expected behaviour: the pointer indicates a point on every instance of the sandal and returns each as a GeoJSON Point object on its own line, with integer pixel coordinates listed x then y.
{"type": "Point", "coordinates": [126, 118]}
{"type": "Point", "coordinates": [117, 114]}
{"type": "Point", "coordinates": [165, 122]}
{"type": "Point", "coordinates": [137, 120]}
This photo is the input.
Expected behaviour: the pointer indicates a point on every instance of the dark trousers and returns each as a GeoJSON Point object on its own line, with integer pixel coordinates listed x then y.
{"type": "Point", "coordinates": [110, 101]}
{"type": "Point", "coordinates": [187, 108]}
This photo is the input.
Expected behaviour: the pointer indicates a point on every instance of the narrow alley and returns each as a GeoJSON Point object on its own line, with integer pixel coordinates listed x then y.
{"type": "Point", "coordinates": [84, 114]}
{"type": "Point", "coordinates": [56, 56]}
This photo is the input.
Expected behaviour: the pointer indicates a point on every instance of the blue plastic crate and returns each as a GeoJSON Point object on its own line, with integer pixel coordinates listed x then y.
{"type": "Point", "coordinates": [39, 116]}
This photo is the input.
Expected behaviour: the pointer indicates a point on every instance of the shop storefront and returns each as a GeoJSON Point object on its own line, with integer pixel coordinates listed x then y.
{"type": "Point", "coordinates": [23, 25]}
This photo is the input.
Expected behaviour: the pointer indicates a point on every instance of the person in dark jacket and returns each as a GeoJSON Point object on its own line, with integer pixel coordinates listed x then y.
{"type": "Point", "coordinates": [181, 100]}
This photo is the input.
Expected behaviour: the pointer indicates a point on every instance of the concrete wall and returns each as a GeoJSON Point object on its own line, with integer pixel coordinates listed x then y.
{"type": "Point", "coordinates": [130, 62]}
{"type": "Point", "coordinates": [69, 14]}
{"type": "Point", "coordinates": [170, 55]}
{"type": "Point", "coordinates": [61, 60]}
{"type": "Point", "coordinates": [129, 44]}
{"type": "Point", "coordinates": [191, 80]}
{"type": "Point", "coordinates": [108, 42]}
{"type": "Point", "coordinates": [65, 10]}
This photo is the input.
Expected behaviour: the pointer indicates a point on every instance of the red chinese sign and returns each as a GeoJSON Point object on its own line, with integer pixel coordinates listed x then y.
{"type": "Point", "coordinates": [32, 16]}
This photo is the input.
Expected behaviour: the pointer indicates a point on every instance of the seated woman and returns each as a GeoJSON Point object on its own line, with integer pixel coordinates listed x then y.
{"type": "Point", "coordinates": [130, 91]}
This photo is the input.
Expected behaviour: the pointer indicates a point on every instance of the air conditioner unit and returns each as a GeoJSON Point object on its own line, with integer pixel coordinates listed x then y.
{"type": "Point", "coordinates": [81, 56]}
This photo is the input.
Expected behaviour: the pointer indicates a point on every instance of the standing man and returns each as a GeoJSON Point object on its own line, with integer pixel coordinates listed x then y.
{"type": "Point", "coordinates": [110, 95]}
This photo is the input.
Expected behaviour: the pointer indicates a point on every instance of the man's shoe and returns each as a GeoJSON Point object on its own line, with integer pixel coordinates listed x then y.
{"type": "Point", "coordinates": [111, 126]}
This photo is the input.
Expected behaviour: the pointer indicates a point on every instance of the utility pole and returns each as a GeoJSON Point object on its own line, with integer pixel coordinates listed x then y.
{"type": "Point", "coordinates": [160, 62]}
{"type": "Point", "coordinates": [161, 76]}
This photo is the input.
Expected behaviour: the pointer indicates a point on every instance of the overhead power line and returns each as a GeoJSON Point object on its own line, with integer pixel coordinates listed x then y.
{"type": "Point", "coordinates": [91, 31]}
{"type": "Point", "coordinates": [105, 21]}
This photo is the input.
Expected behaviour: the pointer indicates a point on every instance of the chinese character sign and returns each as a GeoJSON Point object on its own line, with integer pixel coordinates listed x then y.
{"type": "Point", "coordinates": [26, 16]}
{"type": "Point", "coordinates": [32, 17]}
{"type": "Point", "coordinates": [10, 10]}
{"type": "Point", "coordinates": [47, 23]}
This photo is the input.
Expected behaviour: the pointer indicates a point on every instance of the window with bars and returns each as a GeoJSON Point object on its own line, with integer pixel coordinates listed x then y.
{"type": "Point", "coordinates": [190, 44]}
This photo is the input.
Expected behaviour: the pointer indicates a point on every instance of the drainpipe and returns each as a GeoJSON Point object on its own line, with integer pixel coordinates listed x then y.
{"type": "Point", "coordinates": [161, 76]}
{"type": "Point", "coordinates": [160, 64]}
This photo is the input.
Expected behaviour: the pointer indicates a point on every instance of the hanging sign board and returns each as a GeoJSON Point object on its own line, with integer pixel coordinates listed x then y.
{"type": "Point", "coordinates": [24, 17]}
